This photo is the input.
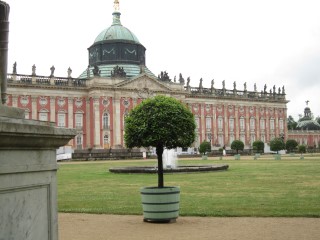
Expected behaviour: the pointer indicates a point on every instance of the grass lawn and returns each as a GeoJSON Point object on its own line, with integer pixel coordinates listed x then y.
{"type": "Point", "coordinates": [265, 187]}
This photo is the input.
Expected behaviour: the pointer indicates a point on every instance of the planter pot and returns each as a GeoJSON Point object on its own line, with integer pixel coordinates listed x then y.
{"type": "Point", "coordinates": [237, 157]}
{"type": "Point", "coordinates": [277, 157]}
{"type": "Point", "coordinates": [204, 157]}
{"type": "Point", "coordinates": [160, 204]}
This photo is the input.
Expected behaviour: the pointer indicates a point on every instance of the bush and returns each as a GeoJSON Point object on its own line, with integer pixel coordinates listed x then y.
{"type": "Point", "coordinates": [277, 144]}
{"type": "Point", "coordinates": [258, 146]}
{"type": "Point", "coordinates": [302, 148]}
{"type": "Point", "coordinates": [237, 145]}
{"type": "Point", "coordinates": [205, 147]}
{"type": "Point", "coordinates": [291, 144]}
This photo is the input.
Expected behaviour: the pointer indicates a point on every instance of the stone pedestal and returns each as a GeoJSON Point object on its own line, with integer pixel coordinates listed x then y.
{"type": "Point", "coordinates": [28, 183]}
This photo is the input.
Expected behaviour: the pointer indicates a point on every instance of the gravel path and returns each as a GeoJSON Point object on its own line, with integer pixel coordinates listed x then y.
{"type": "Point", "coordinates": [108, 227]}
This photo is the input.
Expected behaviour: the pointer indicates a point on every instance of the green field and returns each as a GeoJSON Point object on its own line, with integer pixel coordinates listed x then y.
{"type": "Point", "coordinates": [265, 187]}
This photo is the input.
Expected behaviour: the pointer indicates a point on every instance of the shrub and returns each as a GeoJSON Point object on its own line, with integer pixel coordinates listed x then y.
{"type": "Point", "coordinates": [291, 144]}
{"type": "Point", "coordinates": [237, 145]}
{"type": "Point", "coordinates": [302, 148]}
{"type": "Point", "coordinates": [277, 144]}
{"type": "Point", "coordinates": [205, 147]}
{"type": "Point", "coordinates": [258, 145]}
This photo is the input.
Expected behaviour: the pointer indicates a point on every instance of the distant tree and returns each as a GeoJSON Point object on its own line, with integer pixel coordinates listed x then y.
{"type": "Point", "coordinates": [318, 119]}
{"type": "Point", "coordinates": [237, 145]}
{"type": "Point", "coordinates": [258, 145]}
{"type": "Point", "coordinates": [291, 123]}
{"type": "Point", "coordinates": [302, 148]}
{"type": "Point", "coordinates": [205, 147]}
{"type": "Point", "coordinates": [277, 144]}
{"type": "Point", "coordinates": [291, 144]}
{"type": "Point", "coordinates": [161, 122]}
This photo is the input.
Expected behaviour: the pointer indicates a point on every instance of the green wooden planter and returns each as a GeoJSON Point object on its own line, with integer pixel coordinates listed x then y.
{"type": "Point", "coordinates": [160, 204]}
{"type": "Point", "coordinates": [204, 157]}
{"type": "Point", "coordinates": [277, 157]}
{"type": "Point", "coordinates": [237, 157]}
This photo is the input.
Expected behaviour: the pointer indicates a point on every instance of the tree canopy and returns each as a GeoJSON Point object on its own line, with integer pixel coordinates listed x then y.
{"type": "Point", "coordinates": [161, 122]}
{"type": "Point", "coordinates": [277, 144]}
{"type": "Point", "coordinates": [291, 144]}
{"type": "Point", "coordinates": [205, 147]}
{"type": "Point", "coordinates": [237, 145]}
{"type": "Point", "coordinates": [258, 145]}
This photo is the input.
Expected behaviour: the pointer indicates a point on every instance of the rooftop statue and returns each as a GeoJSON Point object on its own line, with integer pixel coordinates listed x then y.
{"type": "Point", "coordinates": [223, 84]}
{"type": "Point", "coordinates": [234, 85]}
{"type": "Point", "coordinates": [33, 70]}
{"type": "Point", "coordinates": [118, 72]}
{"type": "Point", "coordinates": [188, 82]}
{"type": "Point", "coordinates": [164, 77]}
{"type": "Point", "coordinates": [96, 71]}
{"type": "Point", "coordinates": [245, 86]}
{"type": "Point", "coordinates": [200, 84]}
{"type": "Point", "coordinates": [255, 87]}
{"type": "Point", "coordinates": [265, 88]}
{"type": "Point", "coordinates": [52, 71]}
{"type": "Point", "coordinates": [88, 71]}
{"type": "Point", "coordinates": [283, 91]}
{"type": "Point", "coordinates": [69, 72]}
{"type": "Point", "coordinates": [181, 79]}
{"type": "Point", "coordinates": [14, 68]}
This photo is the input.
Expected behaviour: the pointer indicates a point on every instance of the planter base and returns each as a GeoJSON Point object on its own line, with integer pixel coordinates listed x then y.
{"type": "Point", "coordinates": [160, 205]}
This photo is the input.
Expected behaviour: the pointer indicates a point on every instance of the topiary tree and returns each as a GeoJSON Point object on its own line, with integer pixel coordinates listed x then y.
{"type": "Point", "coordinates": [302, 148]}
{"type": "Point", "coordinates": [258, 145]}
{"type": "Point", "coordinates": [205, 147]}
{"type": "Point", "coordinates": [161, 122]}
{"type": "Point", "coordinates": [237, 145]}
{"type": "Point", "coordinates": [277, 144]}
{"type": "Point", "coordinates": [291, 144]}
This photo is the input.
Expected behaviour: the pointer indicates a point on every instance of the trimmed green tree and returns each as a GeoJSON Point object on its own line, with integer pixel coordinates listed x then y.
{"type": "Point", "coordinates": [291, 144]}
{"type": "Point", "coordinates": [237, 145]}
{"type": "Point", "coordinates": [258, 145]}
{"type": "Point", "coordinates": [160, 122]}
{"type": "Point", "coordinates": [302, 148]}
{"type": "Point", "coordinates": [205, 147]}
{"type": "Point", "coordinates": [277, 144]}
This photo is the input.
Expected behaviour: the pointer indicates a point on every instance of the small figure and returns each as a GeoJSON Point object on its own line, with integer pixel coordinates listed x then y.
{"type": "Point", "coordinates": [33, 70]}
{"type": "Point", "coordinates": [245, 86]}
{"type": "Point", "coordinates": [224, 151]}
{"type": "Point", "coordinates": [96, 71]}
{"type": "Point", "coordinates": [212, 85]}
{"type": "Point", "coordinates": [69, 72]}
{"type": "Point", "coordinates": [255, 87]}
{"type": "Point", "coordinates": [200, 84]}
{"type": "Point", "coordinates": [188, 82]}
{"type": "Point", "coordinates": [274, 88]}
{"type": "Point", "coordinates": [181, 79]}
{"type": "Point", "coordinates": [279, 90]}
{"type": "Point", "coordinates": [52, 71]}
{"type": "Point", "coordinates": [307, 102]}
{"type": "Point", "coordinates": [88, 71]}
{"type": "Point", "coordinates": [265, 88]}
{"type": "Point", "coordinates": [234, 85]}
{"type": "Point", "coordinates": [223, 84]}
{"type": "Point", "coordinates": [283, 91]}
{"type": "Point", "coordinates": [14, 70]}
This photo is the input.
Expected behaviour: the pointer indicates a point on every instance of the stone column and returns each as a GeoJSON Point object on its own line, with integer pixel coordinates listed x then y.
{"type": "Point", "coordinates": [215, 132]}
{"type": "Point", "coordinates": [70, 113]}
{"type": "Point", "coordinates": [203, 129]}
{"type": "Point", "coordinates": [226, 124]}
{"type": "Point", "coordinates": [34, 109]}
{"type": "Point", "coordinates": [116, 121]}
{"type": "Point", "coordinates": [96, 111]}
{"type": "Point", "coordinates": [88, 122]}
{"type": "Point", "coordinates": [52, 109]}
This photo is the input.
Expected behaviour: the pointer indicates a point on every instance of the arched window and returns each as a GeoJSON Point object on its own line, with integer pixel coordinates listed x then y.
{"type": "Point", "coordinates": [252, 123]}
{"type": "Point", "coordinates": [220, 123]}
{"type": "Point", "coordinates": [242, 124]}
{"type": "Point", "coordinates": [105, 121]}
{"type": "Point", "coordinates": [262, 124]}
{"type": "Point", "coordinates": [231, 124]}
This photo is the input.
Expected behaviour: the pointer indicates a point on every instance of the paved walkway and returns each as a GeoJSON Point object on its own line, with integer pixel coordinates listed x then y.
{"type": "Point", "coordinates": [109, 227]}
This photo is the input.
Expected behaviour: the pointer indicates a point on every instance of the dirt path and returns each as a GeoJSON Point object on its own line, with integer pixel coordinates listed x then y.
{"type": "Point", "coordinates": [108, 227]}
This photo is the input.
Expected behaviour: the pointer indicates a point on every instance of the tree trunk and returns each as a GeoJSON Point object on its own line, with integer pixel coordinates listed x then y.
{"type": "Point", "coordinates": [159, 151]}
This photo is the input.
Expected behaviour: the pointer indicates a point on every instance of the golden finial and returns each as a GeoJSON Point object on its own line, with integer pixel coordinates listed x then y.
{"type": "Point", "coordinates": [116, 6]}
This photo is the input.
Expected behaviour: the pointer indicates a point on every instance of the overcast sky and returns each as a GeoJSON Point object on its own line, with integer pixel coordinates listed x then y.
{"type": "Point", "coordinates": [273, 42]}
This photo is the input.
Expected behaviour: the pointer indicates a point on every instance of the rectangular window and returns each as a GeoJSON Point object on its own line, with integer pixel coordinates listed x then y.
{"type": "Point", "coordinates": [231, 124]}
{"type": "Point", "coordinates": [220, 123]}
{"type": "Point", "coordinates": [281, 124]}
{"type": "Point", "coordinates": [61, 120]}
{"type": "Point", "coordinates": [262, 125]}
{"type": "Point", "coordinates": [242, 124]}
{"type": "Point", "coordinates": [197, 122]}
{"type": "Point", "coordinates": [79, 119]}
{"type": "Point", "coordinates": [242, 138]}
{"type": "Point", "coordinates": [252, 124]}
{"type": "Point", "coordinates": [231, 138]}
{"type": "Point", "coordinates": [43, 116]}
{"type": "Point", "coordinates": [208, 123]}
{"type": "Point", "coordinates": [271, 124]}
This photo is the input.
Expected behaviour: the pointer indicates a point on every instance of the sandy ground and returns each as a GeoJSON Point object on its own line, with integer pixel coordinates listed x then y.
{"type": "Point", "coordinates": [108, 227]}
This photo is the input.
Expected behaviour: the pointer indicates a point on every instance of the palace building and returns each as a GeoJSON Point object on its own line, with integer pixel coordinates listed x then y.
{"type": "Point", "coordinates": [117, 79]}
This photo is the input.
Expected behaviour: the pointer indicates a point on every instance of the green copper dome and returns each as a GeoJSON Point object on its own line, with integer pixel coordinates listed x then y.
{"type": "Point", "coordinates": [116, 32]}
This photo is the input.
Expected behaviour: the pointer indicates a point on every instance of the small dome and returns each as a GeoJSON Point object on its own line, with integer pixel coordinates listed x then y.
{"type": "Point", "coordinates": [116, 32]}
